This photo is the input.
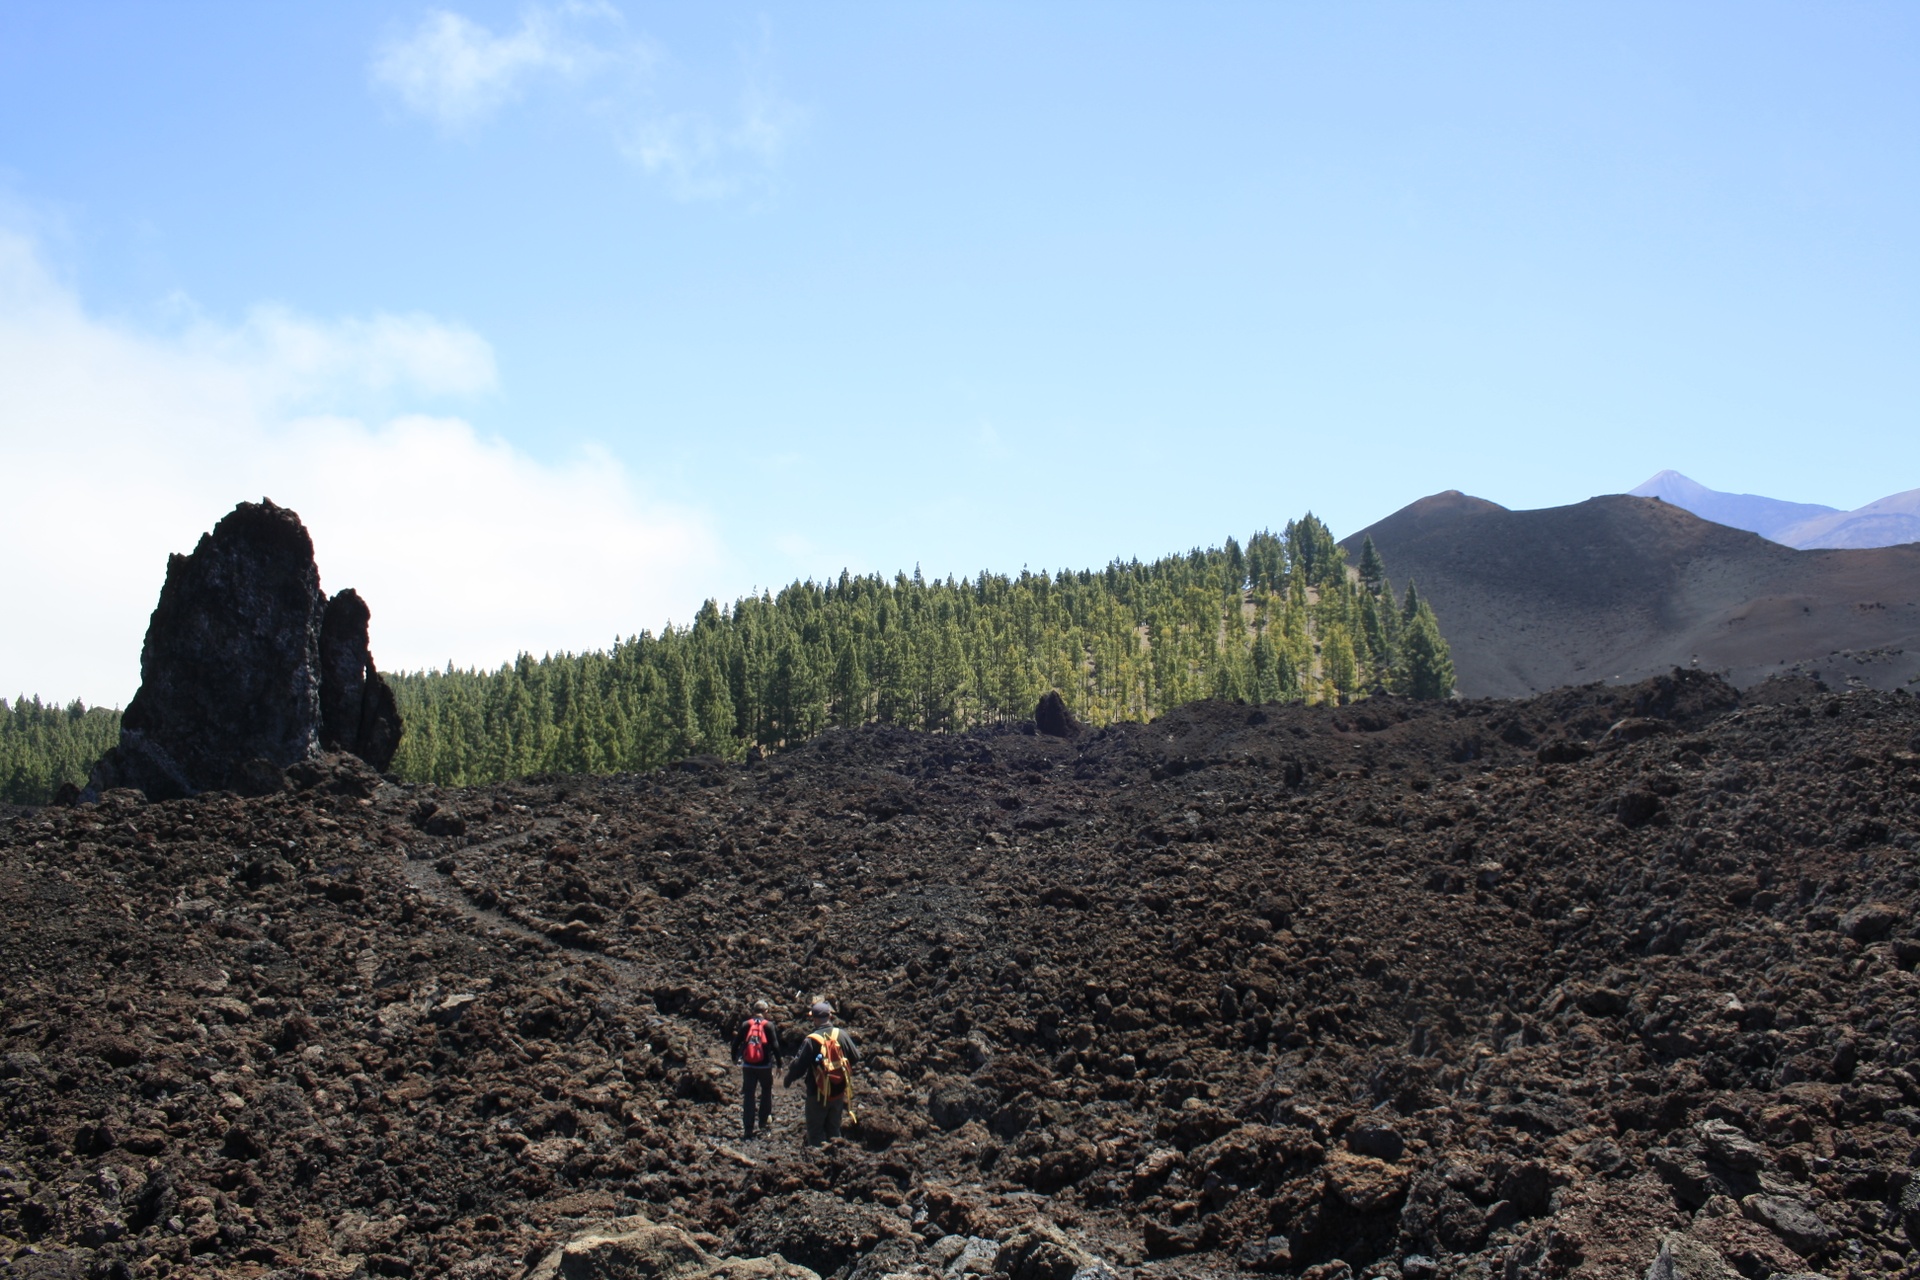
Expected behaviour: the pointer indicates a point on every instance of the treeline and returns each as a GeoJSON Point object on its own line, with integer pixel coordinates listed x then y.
{"type": "Point", "coordinates": [1281, 619]}
{"type": "Point", "coordinates": [43, 745]}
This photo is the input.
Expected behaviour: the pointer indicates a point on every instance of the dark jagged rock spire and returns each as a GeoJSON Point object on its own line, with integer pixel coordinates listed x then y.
{"type": "Point", "coordinates": [357, 710]}
{"type": "Point", "coordinates": [245, 667]}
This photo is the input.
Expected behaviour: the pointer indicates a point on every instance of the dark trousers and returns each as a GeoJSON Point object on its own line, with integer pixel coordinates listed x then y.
{"type": "Point", "coordinates": [754, 1079]}
{"type": "Point", "coordinates": [823, 1118]}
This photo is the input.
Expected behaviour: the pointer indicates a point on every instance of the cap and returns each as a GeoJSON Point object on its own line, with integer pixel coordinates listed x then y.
{"type": "Point", "coordinates": [821, 1009]}
{"type": "Point", "coordinates": [759, 1006]}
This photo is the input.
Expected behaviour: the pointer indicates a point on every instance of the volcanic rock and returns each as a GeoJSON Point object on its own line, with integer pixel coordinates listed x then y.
{"type": "Point", "coordinates": [961, 1255]}
{"type": "Point", "coordinates": [316, 1032]}
{"type": "Point", "coordinates": [245, 665]}
{"type": "Point", "coordinates": [1752, 1250]}
{"type": "Point", "coordinates": [1794, 1221]}
{"type": "Point", "coordinates": [357, 709]}
{"type": "Point", "coordinates": [636, 1249]}
{"type": "Point", "coordinates": [1365, 1183]}
{"type": "Point", "coordinates": [1053, 717]}
{"type": "Point", "coordinates": [1377, 1139]}
{"type": "Point", "coordinates": [1683, 1258]}
{"type": "Point", "coordinates": [227, 674]}
{"type": "Point", "coordinates": [1040, 1251]}
{"type": "Point", "coordinates": [1870, 921]}
{"type": "Point", "coordinates": [1910, 1211]}
{"type": "Point", "coordinates": [811, 1227]}
{"type": "Point", "coordinates": [1730, 1147]}
{"type": "Point", "coordinates": [953, 1102]}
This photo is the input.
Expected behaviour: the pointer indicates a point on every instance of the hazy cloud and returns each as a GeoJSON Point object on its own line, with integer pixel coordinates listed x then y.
{"type": "Point", "coordinates": [292, 358]}
{"type": "Point", "coordinates": [124, 446]}
{"type": "Point", "coordinates": [703, 158]}
{"type": "Point", "coordinates": [458, 72]}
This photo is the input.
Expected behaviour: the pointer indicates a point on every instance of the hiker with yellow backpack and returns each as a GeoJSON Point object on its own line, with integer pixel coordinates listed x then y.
{"type": "Point", "coordinates": [825, 1061]}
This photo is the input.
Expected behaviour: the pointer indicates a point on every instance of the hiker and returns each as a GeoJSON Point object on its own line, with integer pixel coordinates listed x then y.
{"type": "Point", "coordinates": [756, 1047]}
{"type": "Point", "coordinates": [825, 1062]}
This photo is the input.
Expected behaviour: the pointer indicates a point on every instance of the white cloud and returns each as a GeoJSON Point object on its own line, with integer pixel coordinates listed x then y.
{"type": "Point", "coordinates": [457, 72]}
{"type": "Point", "coordinates": [123, 446]}
{"type": "Point", "coordinates": [293, 358]}
{"type": "Point", "coordinates": [701, 158]}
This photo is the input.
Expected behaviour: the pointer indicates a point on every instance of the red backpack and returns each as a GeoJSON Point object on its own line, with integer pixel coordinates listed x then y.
{"type": "Point", "coordinates": [759, 1034]}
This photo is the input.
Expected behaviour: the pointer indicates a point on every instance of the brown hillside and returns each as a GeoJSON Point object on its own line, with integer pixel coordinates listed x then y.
{"type": "Point", "coordinates": [1617, 588]}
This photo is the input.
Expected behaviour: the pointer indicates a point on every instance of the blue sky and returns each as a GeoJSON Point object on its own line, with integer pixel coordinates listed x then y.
{"type": "Point", "coordinates": [554, 320]}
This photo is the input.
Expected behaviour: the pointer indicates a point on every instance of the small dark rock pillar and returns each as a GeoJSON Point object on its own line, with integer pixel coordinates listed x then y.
{"type": "Point", "coordinates": [231, 679]}
{"type": "Point", "coordinates": [1053, 718]}
{"type": "Point", "coordinates": [357, 710]}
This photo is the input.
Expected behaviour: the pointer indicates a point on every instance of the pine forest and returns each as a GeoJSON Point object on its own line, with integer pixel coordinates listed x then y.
{"type": "Point", "coordinates": [1284, 618]}
{"type": "Point", "coordinates": [44, 745]}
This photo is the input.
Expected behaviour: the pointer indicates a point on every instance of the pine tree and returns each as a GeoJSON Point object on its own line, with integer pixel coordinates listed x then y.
{"type": "Point", "coordinates": [1372, 570]}
{"type": "Point", "coordinates": [1338, 663]}
{"type": "Point", "coordinates": [1266, 670]}
{"type": "Point", "coordinates": [1427, 663]}
{"type": "Point", "coordinates": [848, 695]}
{"type": "Point", "coordinates": [1228, 684]}
{"type": "Point", "coordinates": [1266, 562]}
{"type": "Point", "coordinates": [1311, 549]}
{"type": "Point", "coordinates": [1373, 633]}
{"type": "Point", "coordinates": [715, 730]}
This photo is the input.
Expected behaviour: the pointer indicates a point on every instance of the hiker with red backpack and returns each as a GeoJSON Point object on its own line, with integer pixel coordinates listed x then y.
{"type": "Point", "coordinates": [825, 1061]}
{"type": "Point", "coordinates": [756, 1047]}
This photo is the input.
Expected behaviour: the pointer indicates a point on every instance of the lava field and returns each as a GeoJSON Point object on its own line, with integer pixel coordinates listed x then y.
{"type": "Point", "coordinates": [1397, 990]}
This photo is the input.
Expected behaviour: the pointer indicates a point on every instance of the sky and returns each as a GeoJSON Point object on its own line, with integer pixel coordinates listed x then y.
{"type": "Point", "coordinates": [554, 320]}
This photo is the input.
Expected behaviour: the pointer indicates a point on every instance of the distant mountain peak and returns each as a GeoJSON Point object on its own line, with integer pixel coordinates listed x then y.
{"type": "Point", "coordinates": [1619, 588]}
{"type": "Point", "coordinates": [1892, 520]}
{"type": "Point", "coordinates": [1768, 517]}
{"type": "Point", "coordinates": [1667, 486]}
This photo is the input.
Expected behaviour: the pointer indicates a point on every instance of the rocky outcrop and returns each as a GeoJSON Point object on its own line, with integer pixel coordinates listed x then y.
{"type": "Point", "coordinates": [248, 668]}
{"type": "Point", "coordinates": [1041, 1251]}
{"type": "Point", "coordinates": [357, 711]}
{"type": "Point", "coordinates": [1054, 718]}
{"type": "Point", "coordinates": [636, 1249]}
{"type": "Point", "coordinates": [814, 1228]}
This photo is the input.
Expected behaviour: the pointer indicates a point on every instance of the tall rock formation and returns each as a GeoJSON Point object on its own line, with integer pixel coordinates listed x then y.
{"type": "Point", "coordinates": [248, 668]}
{"type": "Point", "coordinates": [357, 711]}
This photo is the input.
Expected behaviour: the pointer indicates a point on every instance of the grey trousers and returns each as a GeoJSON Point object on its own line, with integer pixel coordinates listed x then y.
{"type": "Point", "coordinates": [823, 1118]}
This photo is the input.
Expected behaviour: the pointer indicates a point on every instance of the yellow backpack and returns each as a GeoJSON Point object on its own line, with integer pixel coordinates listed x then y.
{"type": "Point", "coordinates": [832, 1074]}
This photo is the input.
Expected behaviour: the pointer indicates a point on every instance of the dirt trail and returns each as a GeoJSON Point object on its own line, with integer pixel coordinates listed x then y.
{"type": "Point", "coordinates": [631, 986]}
